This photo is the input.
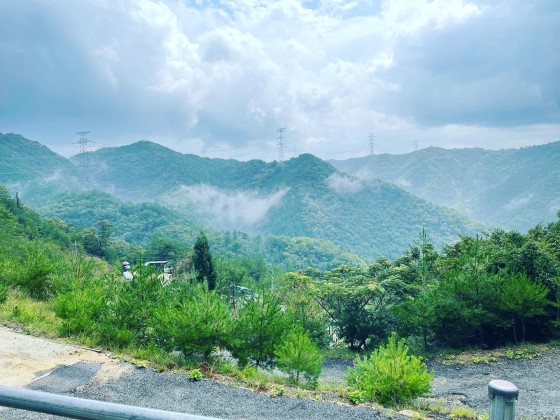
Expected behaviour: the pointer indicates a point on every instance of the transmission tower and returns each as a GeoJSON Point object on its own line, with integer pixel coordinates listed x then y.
{"type": "Point", "coordinates": [371, 144]}
{"type": "Point", "coordinates": [415, 145]}
{"type": "Point", "coordinates": [83, 158]}
{"type": "Point", "coordinates": [281, 137]}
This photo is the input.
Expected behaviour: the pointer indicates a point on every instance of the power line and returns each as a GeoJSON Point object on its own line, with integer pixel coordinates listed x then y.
{"type": "Point", "coordinates": [281, 137]}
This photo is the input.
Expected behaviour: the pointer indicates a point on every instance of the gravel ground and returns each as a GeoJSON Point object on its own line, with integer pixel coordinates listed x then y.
{"type": "Point", "coordinates": [146, 388]}
{"type": "Point", "coordinates": [538, 381]}
{"type": "Point", "coordinates": [74, 371]}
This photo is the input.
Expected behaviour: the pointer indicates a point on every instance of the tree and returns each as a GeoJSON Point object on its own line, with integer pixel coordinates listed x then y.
{"type": "Point", "coordinates": [298, 354]}
{"type": "Point", "coordinates": [390, 375]}
{"type": "Point", "coordinates": [357, 300]}
{"type": "Point", "coordinates": [199, 325]}
{"type": "Point", "coordinates": [202, 262]}
{"type": "Point", "coordinates": [260, 327]}
{"type": "Point", "coordinates": [522, 299]}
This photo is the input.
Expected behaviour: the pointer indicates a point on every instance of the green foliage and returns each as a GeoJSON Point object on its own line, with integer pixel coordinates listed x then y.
{"type": "Point", "coordinates": [259, 328]}
{"type": "Point", "coordinates": [129, 307]}
{"type": "Point", "coordinates": [3, 292]}
{"type": "Point", "coordinates": [521, 299]}
{"type": "Point", "coordinates": [390, 375]}
{"type": "Point", "coordinates": [195, 375]}
{"type": "Point", "coordinates": [357, 300]}
{"type": "Point", "coordinates": [197, 325]}
{"type": "Point", "coordinates": [304, 309]}
{"type": "Point", "coordinates": [357, 397]}
{"type": "Point", "coordinates": [79, 310]}
{"type": "Point", "coordinates": [34, 269]}
{"type": "Point", "coordinates": [277, 391]}
{"type": "Point", "coordinates": [202, 262]}
{"type": "Point", "coordinates": [297, 354]}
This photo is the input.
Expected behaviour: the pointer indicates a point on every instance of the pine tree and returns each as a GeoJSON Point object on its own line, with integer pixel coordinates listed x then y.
{"type": "Point", "coordinates": [202, 262]}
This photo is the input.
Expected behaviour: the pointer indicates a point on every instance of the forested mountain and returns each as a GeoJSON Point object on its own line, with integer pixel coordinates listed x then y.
{"type": "Point", "coordinates": [514, 189]}
{"type": "Point", "coordinates": [164, 233]}
{"type": "Point", "coordinates": [302, 197]}
{"type": "Point", "coordinates": [34, 170]}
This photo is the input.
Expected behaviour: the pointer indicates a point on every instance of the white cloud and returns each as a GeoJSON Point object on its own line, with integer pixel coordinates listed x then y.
{"type": "Point", "coordinates": [231, 210]}
{"type": "Point", "coordinates": [344, 184]}
{"type": "Point", "coordinates": [229, 73]}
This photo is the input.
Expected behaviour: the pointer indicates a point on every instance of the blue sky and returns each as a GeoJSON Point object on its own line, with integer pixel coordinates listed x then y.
{"type": "Point", "coordinates": [216, 78]}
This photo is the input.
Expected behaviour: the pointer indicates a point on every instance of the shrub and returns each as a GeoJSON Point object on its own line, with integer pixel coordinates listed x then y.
{"type": "Point", "coordinates": [79, 309]}
{"type": "Point", "coordinates": [390, 376]}
{"type": "Point", "coordinates": [259, 328]}
{"type": "Point", "coordinates": [195, 375]}
{"type": "Point", "coordinates": [357, 397]}
{"type": "Point", "coordinates": [201, 323]}
{"type": "Point", "coordinates": [298, 354]}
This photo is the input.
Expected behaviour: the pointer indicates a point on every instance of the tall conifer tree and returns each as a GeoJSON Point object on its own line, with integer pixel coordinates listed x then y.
{"type": "Point", "coordinates": [202, 261]}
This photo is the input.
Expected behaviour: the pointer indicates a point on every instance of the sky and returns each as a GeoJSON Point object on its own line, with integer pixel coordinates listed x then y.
{"type": "Point", "coordinates": [219, 77]}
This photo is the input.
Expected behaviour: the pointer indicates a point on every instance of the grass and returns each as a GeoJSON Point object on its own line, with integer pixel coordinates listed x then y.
{"type": "Point", "coordinates": [36, 317]}
{"type": "Point", "coordinates": [525, 351]}
{"type": "Point", "coordinates": [429, 406]}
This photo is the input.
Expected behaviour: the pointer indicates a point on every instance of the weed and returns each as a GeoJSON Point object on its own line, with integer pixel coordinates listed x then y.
{"type": "Point", "coordinates": [36, 316]}
{"type": "Point", "coordinates": [463, 413]}
{"type": "Point", "coordinates": [277, 391]}
{"type": "Point", "coordinates": [357, 397]}
{"type": "Point", "coordinates": [195, 375]}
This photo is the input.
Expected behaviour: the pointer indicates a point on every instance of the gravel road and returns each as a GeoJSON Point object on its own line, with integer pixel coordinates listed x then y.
{"type": "Point", "coordinates": [64, 369]}
{"type": "Point", "coordinates": [86, 374]}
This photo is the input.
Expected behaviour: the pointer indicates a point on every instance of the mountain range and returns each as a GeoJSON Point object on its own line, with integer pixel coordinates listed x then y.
{"type": "Point", "coordinates": [301, 197]}
{"type": "Point", "coordinates": [513, 189]}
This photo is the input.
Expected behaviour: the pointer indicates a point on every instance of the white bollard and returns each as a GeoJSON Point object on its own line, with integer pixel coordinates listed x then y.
{"type": "Point", "coordinates": [503, 395]}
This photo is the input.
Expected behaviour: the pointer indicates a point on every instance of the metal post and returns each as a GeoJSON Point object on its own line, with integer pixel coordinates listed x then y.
{"type": "Point", "coordinates": [503, 395]}
{"type": "Point", "coordinates": [79, 408]}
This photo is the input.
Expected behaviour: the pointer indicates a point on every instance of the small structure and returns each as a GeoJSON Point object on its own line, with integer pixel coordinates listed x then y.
{"type": "Point", "coordinates": [162, 266]}
{"type": "Point", "coordinates": [126, 273]}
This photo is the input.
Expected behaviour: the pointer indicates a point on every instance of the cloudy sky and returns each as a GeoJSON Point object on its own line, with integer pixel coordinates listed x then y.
{"type": "Point", "coordinates": [218, 77]}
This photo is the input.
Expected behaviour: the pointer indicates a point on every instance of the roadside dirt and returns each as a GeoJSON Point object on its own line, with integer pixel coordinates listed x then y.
{"type": "Point", "coordinates": [24, 358]}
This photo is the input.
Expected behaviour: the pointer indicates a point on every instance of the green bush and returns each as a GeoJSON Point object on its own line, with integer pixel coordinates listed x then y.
{"type": "Point", "coordinates": [195, 375]}
{"type": "Point", "coordinates": [259, 328]}
{"type": "Point", "coordinates": [198, 325]}
{"type": "Point", "coordinates": [390, 376]}
{"type": "Point", "coordinates": [79, 310]}
{"type": "Point", "coordinates": [298, 354]}
{"type": "Point", "coordinates": [357, 397]}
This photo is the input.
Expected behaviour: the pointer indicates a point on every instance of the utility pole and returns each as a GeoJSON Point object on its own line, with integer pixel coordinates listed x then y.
{"type": "Point", "coordinates": [371, 144]}
{"type": "Point", "coordinates": [281, 137]}
{"type": "Point", "coordinates": [83, 158]}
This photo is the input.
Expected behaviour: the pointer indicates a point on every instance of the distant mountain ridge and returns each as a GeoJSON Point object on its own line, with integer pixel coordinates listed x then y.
{"type": "Point", "coordinates": [514, 188]}
{"type": "Point", "coordinates": [302, 197]}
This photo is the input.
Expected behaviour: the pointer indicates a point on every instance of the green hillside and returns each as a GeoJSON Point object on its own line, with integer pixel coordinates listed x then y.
{"type": "Point", "coordinates": [514, 189]}
{"type": "Point", "coordinates": [33, 170]}
{"type": "Point", "coordinates": [155, 227]}
{"type": "Point", "coordinates": [304, 196]}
